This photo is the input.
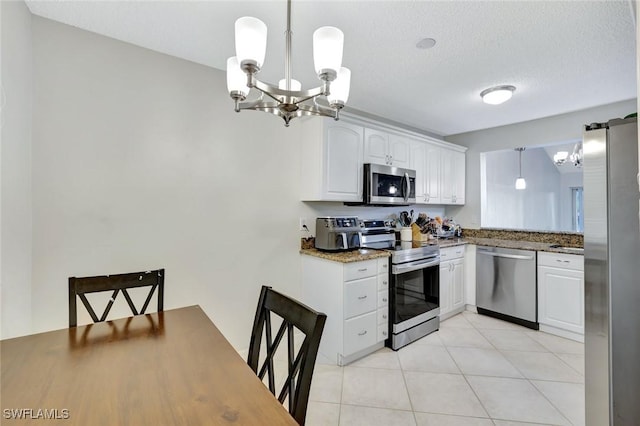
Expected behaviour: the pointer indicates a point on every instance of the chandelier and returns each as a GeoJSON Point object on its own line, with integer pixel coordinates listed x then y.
{"type": "Point", "coordinates": [287, 100]}
{"type": "Point", "coordinates": [561, 157]}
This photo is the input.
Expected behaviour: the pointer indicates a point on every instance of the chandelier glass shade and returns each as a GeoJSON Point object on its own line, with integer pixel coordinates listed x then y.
{"type": "Point", "coordinates": [575, 158]}
{"type": "Point", "coordinates": [287, 100]}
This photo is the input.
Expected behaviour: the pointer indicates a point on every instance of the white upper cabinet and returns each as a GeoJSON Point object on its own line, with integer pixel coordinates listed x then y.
{"type": "Point", "coordinates": [452, 177]}
{"type": "Point", "coordinates": [384, 148]}
{"type": "Point", "coordinates": [333, 154]}
{"type": "Point", "coordinates": [331, 168]}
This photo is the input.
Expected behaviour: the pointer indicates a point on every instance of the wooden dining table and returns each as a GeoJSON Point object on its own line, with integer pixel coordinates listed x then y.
{"type": "Point", "coordinates": [166, 368]}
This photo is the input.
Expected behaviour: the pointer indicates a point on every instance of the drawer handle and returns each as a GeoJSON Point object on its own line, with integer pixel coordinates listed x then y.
{"type": "Point", "coordinates": [562, 261]}
{"type": "Point", "coordinates": [362, 297]}
{"type": "Point", "coordinates": [363, 333]}
{"type": "Point", "coordinates": [362, 270]}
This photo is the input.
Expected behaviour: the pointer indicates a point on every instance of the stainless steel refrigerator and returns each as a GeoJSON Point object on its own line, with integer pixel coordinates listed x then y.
{"type": "Point", "coordinates": [612, 273]}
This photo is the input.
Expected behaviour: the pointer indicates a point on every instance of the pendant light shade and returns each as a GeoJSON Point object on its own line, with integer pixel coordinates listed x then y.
{"type": "Point", "coordinates": [340, 87]}
{"type": "Point", "coordinates": [251, 41]}
{"type": "Point", "coordinates": [236, 78]}
{"type": "Point", "coordinates": [520, 182]}
{"type": "Point", "coordinates": [327, 49]}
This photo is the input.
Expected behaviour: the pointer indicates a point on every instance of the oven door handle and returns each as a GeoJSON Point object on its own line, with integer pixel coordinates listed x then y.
{"type": "Point", "coordinates": [414, 266]}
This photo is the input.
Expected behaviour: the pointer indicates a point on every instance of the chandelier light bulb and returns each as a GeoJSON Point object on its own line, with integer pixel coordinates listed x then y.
{"type": "Point", "coordinates": [560, 157]}
{"type": "Point", "coordinates": [521, 183]}
{"type": "Point", "coordinates": [296, 86]}
{"type": "Point", "coordinates": [251, 41]}
{"type": "Point", "coordinates": [327, 49]}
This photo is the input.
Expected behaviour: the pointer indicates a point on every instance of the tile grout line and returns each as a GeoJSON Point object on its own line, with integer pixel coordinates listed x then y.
{"type": "Point", "coordinates": [529, 380]}
{"type": "Point", "coordinates": [465, 376]}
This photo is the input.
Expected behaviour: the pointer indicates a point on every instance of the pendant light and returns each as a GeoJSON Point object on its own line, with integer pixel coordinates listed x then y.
{"type": "Point", "coordinates": [520, 182]}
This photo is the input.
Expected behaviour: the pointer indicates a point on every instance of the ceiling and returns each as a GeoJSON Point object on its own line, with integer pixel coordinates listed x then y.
{"type": "Point", "coordinates": [562, 56]}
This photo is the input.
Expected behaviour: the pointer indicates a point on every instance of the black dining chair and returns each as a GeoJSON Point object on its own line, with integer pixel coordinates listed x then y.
{"type": "Point", "coordinates": [294, 315]}
{"type": "Point", "coordinates": [117, 283]}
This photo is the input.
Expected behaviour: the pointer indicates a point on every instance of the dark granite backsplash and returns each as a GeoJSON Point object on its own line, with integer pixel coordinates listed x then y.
{"type": "Point", "coordinates": [567, 239]}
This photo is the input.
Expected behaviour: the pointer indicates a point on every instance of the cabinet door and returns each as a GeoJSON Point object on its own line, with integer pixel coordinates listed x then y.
{"type": "Point", "coordinates": [561, 298]}
{"type": "Point", "coordinates": [432, 174]}
{"type": "Point", "coordinates": [445, 287]}
{"type": "Point", "coordinates": [343, 166]}
{"type": "Point", "coordinates": [376, 147]}
{"type": "Point", "coordinates": [417, 163]}
{"type": "Point", "coordinates": [459, 167]}
{"type": "Point", "coordinates": [399, 149]}
{"type": "Point", "coordinates": [457, 284]}
{"type": "Point", "coordinates": [452, 175]}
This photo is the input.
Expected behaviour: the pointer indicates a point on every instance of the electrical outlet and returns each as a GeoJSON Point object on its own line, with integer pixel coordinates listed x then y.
{"type": "Point", "coordinates": [303, 223]}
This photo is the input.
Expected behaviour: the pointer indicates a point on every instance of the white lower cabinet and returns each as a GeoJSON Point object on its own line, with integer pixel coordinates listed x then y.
{"type": "Point", "coordinates": [561, 294]}
{"type": "Point", "coordinates": [452, 299]}
{"type": "Point", "coordinates": [355, 297]}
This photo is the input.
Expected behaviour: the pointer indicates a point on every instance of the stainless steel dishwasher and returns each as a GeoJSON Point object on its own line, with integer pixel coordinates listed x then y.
{"type": "Point", "coordinates": [506, 285]}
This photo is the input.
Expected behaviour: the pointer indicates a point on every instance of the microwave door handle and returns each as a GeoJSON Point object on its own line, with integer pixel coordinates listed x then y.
{"type": "Point", "coordinates": [407, 186]}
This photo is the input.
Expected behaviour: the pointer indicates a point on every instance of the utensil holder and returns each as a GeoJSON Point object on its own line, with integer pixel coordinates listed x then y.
{"type": "Point", "coordinates": [406, 234]}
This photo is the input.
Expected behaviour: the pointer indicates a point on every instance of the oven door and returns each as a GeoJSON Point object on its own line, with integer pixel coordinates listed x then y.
{"type": "Point", "coordinates": [415, 293]}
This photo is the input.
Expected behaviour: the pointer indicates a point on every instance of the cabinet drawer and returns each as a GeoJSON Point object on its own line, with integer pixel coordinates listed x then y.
{"type": "Point", "coordinates": [383, 282]}
{"type": "Point", "coordinates": [383, 332]}
{"type": "Point", "coordinates": [450, 253]}
{"type": "Point", "coordinates": [360, 333]}
{"type": "Point", "coordinates": [383, 298]}
{"type": "Point", "coordinates": [383, 315]}
{"type": "Point", "coordinates": [561, 260]}
{"type": "Point", "coordinates": [383, 265]}
{"type": "Point", "coordinates": [360, 296]}
{"type": "Point", "coordinates": [359, 270]}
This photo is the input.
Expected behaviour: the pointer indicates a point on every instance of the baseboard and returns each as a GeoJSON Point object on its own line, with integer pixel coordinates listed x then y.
{"type": "Point", "coordinates": [562, 333]}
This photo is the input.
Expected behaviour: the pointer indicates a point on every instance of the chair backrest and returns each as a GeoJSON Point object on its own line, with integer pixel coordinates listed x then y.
{"type": "Point", "coordinates": [300, 365]}
{"type": "Point", "coordinates": [116, 283]}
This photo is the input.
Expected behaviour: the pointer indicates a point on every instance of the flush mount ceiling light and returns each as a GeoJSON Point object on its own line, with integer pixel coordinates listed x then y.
{"type": "Point", "coordinates": [575, 158]}
{"type": "Point", "coordinates": [497, 95]}
{"type": "Point", "coordinates": [287, 100]}
{"type": "Point", "coordinates": [520, 182]}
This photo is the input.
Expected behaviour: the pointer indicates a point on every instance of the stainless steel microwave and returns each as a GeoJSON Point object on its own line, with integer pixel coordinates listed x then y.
{"type": "Point", "coordinates": [387, 185]}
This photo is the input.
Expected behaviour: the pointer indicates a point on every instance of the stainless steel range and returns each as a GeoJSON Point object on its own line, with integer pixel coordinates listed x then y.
{"type": "Point", "coordinates": [414, 293]}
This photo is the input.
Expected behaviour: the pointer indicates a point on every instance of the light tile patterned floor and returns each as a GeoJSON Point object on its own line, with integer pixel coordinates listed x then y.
{"type": "Point", "coordinates": [475, 370]}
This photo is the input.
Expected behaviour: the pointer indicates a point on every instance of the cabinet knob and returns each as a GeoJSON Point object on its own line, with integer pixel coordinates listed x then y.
{"type": "Point", "coordinates": [384, 282]}
{"type": "Point", "coordinates": [384, 333]}
{"type": "Point", "coordinates": [362, 333]}
{"type": "Point", "coordinates": [384, 299]}
{"type": "Point", "coordinates": [384, 316]}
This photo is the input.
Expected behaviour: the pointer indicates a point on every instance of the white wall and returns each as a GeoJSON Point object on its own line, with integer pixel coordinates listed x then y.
{"type": "Point", "coordinates": [544, 131]}
{"type": "Point", "coordinates": [15, 260]}
{"type": "Point", "coordinates": [140, 162]}
{"type": "Point", "coordinates": [536, 207]}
